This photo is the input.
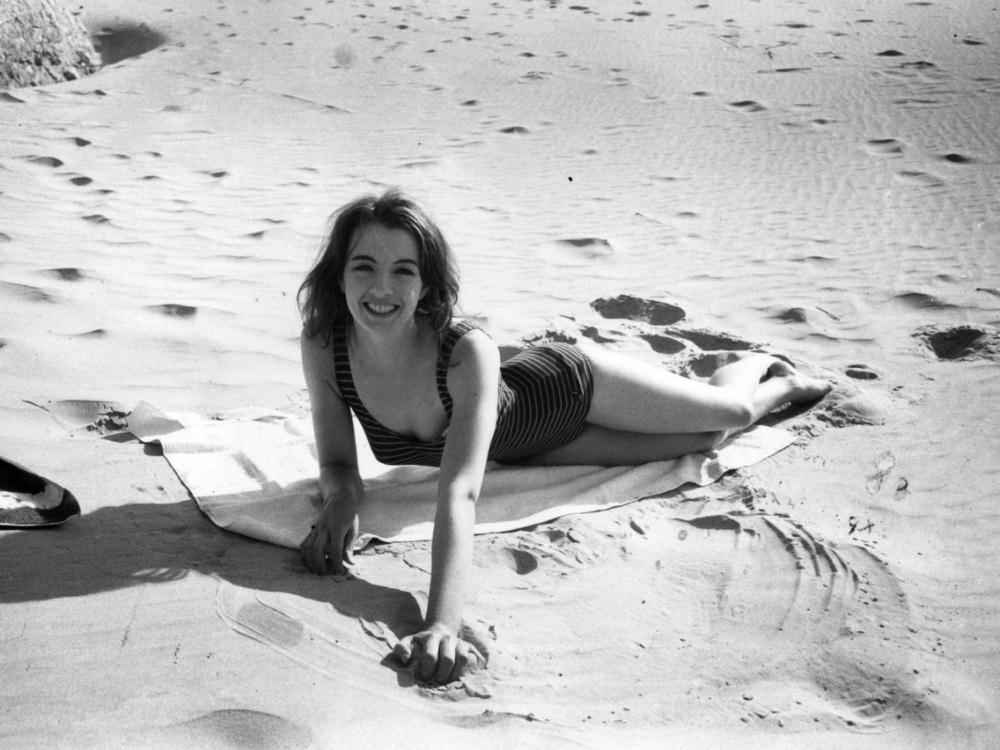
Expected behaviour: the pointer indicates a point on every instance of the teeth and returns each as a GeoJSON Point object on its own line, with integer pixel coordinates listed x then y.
{"type": "Point", "coordinates": [381, 309]}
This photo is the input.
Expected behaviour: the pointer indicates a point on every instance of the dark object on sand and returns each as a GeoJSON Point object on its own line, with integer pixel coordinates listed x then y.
{"type": "Point", "coordinates": [42, 43]}
{"type": "Point", "coordinates": [28, 500]}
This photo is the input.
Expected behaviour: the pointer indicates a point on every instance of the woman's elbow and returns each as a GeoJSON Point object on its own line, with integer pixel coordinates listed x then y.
{"type": "Point", "coordinates": [469, 495]}
{"type": "Point", "coordinates": [463, 494]}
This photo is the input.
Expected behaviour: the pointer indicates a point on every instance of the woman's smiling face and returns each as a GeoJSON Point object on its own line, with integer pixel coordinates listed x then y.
{"type": "Point", "coordinates": [382, 282]}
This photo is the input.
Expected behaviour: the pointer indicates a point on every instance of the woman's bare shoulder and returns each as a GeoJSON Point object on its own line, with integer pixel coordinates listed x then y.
{"type": "Point", "coordinates": [475, 365]}
{"type": "Point", "coordinates": [315, 345]}
{"type": "Point", "coordinates": [317, 360]}
{"type": "Point", "coordinates": [475, 344]}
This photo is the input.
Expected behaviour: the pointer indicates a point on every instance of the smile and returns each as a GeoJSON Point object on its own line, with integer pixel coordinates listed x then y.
{"type": "Point", "coordinates": [380, 309]}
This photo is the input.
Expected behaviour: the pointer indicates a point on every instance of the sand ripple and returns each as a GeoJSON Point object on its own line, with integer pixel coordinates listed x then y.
{"type": "Point", "coordinates": [714, 620]}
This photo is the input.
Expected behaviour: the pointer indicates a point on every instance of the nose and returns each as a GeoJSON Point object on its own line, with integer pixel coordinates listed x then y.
{"type": "Point", "coordinates": [381, 284]}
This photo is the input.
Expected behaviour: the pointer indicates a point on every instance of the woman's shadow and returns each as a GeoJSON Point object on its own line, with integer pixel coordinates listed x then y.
{"type": "Point", "coordinates": [142, 543]}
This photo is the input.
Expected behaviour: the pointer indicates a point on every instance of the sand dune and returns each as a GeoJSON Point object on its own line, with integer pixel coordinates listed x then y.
{"type": "Point", "coordinates": [675, 182]}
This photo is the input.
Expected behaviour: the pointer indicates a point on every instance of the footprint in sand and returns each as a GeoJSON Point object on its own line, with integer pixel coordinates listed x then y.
{"type": "Point", "coordinates": [593, 334]}
{"type": "Point", "coordinates": [174, 310]}
{"type": "Point", "coordinates": [627, 307]}
{"type": "Point", "coordinates": [663, 344]}
{"type": "Point", "coordinates": [922, 301]}
{"type": "Point", "coordinates": [705, 365]}
{"type": "Point", "coordinates": [845, 406]}
{"type": "Point", "coordinates": [535, 75]}
{"type": "Point", "coordinates": [884, 147]}
{"type": "Point", "coordinates": [917, 102]}
{"type": "Point", "coordinates": [793, 315]}
{"type": "Point", "coordinates": [918, 65]}
{"type": "Point", "coordinates": [523, 561]}
{"type": "Point", "coordinates": [884, 464]}
{"type": "Point", "coordinates": [26, 291]}
{"type": "Point", "coordinates": [66, 274]}
{"type": "Point", "coordinates": [711, 341]}
{"type": "Point", "coordinates": [748, 105]}
{"type": "Point", "coordinates": [957, 159]}
{"type": "Point", "coordinates": [961, 342]}
{"type": "Point", "coordinates": [861, 372]}
{"type": "Point", "coordinates": [915, 177]}
{"type": "Point", "coordinates": [43, 161]}
{"type": "Point", "coordinates": [577, 251]}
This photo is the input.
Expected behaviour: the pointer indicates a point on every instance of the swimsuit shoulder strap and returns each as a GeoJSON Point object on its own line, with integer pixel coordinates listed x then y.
{"type": "Point", "coordinates": [342, 368]}
{"type": "Point", "coordinates": [448, 341]}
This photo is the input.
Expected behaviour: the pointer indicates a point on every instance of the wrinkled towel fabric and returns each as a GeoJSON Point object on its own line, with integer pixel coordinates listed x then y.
{"type": "Point", "coordinates": [255, 474]}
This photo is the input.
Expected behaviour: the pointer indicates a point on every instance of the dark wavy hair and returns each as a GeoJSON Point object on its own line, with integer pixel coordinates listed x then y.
{"type": "Point", "coordinates": [321, 300]}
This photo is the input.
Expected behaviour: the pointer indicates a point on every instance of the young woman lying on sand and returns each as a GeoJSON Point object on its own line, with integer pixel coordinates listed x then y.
{"type": "Point", "coordinates": [379, 340]}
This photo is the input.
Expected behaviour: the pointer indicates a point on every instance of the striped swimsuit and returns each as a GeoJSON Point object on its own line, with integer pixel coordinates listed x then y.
{"type": "Point", "coordinates": [544, 397]}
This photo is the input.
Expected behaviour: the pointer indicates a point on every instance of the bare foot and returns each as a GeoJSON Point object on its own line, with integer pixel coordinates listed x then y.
{"type": "Point", "coordinates": [801, 388]}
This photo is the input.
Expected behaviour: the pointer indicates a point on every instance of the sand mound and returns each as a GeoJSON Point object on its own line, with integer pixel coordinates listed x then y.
{"type": "Point", "coordinates": [811, 180]}
{"type": "Point", "coordinates": [42, 43]}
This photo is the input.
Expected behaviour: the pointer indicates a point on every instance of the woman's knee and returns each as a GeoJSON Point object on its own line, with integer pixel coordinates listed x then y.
{"type": "Point", "coordinates": [714, 439]}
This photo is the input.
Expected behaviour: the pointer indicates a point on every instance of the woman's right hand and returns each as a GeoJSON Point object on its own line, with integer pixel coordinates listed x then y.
{"type": "Point", "coordinates": [329, 546]}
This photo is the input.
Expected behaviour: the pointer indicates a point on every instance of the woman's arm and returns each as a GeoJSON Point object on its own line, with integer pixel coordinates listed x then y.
{"type": "Point", "coordinates": [328, 546]}
{"type": "Point", "coordinates": [472, 381]}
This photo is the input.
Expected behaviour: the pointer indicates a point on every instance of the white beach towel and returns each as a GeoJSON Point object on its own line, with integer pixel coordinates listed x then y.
{"type": "Point", "coordinates": [255, 474]}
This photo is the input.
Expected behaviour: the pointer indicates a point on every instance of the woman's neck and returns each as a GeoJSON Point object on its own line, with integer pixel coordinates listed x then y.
{"type": "Point", "coordinates": [389, 349]}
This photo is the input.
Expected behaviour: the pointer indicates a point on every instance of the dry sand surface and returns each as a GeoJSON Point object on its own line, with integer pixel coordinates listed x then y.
{"type": "Point", "coordinates": [815, 179]}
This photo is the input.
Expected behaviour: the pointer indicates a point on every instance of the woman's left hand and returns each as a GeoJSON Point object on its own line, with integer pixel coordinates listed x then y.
{"type": "Point", "coordinates": [439, 655]}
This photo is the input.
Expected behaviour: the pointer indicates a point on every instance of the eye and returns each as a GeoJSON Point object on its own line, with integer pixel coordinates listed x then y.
{"type": "Point", "coordinates": [405, 271]}
{"type": "Point", "coordinates": [361, 267]}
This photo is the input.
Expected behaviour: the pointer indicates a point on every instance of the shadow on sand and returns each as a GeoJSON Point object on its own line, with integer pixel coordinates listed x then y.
{"type": "Point", "coordinates": [129, 545]}
{"type": "Point", "coordinates": [122, 40]}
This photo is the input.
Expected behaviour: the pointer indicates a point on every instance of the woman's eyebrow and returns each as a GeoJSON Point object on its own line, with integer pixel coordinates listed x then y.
{"type": "Point", "coordinates": [369, 259]}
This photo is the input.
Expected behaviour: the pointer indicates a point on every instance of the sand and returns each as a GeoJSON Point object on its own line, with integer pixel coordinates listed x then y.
{"type": "Point", "coordinates": [809, 179]}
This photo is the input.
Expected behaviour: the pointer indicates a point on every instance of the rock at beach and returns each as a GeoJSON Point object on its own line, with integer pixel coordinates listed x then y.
{"type": "Point", "coordinates": [42, 43]}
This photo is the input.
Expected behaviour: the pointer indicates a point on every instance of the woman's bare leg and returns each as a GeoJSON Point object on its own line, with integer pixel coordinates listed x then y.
{"type": "Point", "coordinates": [599, 446]}
{"type": "Point", "coordinates": [637, 397]}
{"type": "Point", "coordinates": [643, 413]}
